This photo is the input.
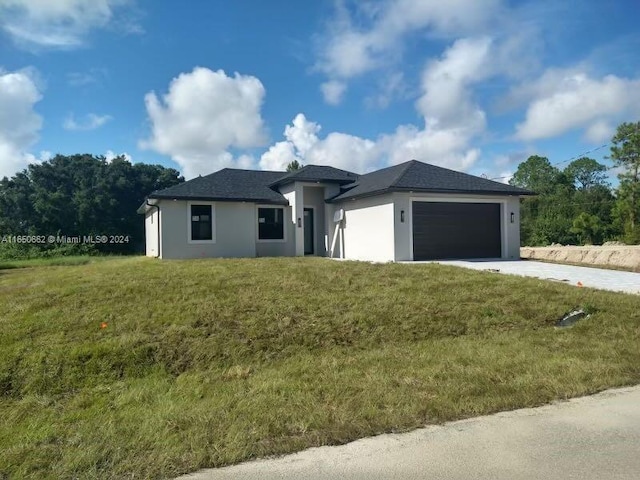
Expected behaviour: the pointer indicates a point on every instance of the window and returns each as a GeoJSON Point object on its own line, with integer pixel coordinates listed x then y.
{"type": "Point", "coordinates": [201, 222]}
{"type": "Point", "coordinates": [270, 223]}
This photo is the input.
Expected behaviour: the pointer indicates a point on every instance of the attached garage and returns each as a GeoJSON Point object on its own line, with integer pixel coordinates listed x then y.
{"type": "Point", "coordinates": [453, 230]}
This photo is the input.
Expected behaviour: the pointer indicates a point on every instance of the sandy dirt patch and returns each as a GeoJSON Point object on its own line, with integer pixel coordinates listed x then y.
{"type": "Point", "coordinates": [625, 256]}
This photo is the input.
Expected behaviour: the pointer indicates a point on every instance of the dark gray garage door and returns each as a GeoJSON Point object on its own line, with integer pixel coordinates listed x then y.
{"type": "Point", "coordinates": [456, 230]}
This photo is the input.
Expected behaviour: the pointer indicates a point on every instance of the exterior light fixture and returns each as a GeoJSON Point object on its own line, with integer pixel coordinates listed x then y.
{"type": "Point", "coordinates": [513, 217]}
{"type": "Point", "coordinates": [401, 216]}
{"type": "Point", "coordinates": [299, 222]}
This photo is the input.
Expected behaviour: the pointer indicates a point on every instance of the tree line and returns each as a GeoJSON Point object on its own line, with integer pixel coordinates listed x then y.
{"type": "Point", "coordinates": [77, 196]}
{"type": "Point", "coordinates": [577, 205]}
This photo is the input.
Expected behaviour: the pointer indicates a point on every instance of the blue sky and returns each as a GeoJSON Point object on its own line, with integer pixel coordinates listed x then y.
{"type": "Point", "coordinates": [473, 85]}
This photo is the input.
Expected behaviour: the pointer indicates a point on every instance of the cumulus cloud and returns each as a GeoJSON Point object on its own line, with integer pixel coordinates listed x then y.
{"type": "Point", "coordinates": [451, 121]}
{"type": "Point", "coordinates": [447, 99]}
{"type": "Point", "coordinates": [110, 155]}
{"type": "Point", "coordinates": [19, 123]}
{"type": "Point", "coordinates": [565, 100]}
{"type": "Point", "coordinates": [203, 116]}
{"type": "Point", "coordinates": [90, 122]}
{"type": "Point", "coordinates": [390, 87]}
{"type": "Point", "coordinates": [57, 23]}
{"type": "Point", "coordinates": [446, 147]}
{"type": "Point", "coordinates": [333, 91]}
{"type": "Point", "coordinates": [600, 131]}
{"type": "Point", "coordinates": [350, 48]}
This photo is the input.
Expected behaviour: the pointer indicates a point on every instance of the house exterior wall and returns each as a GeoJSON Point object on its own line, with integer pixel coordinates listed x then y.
{"type": "Point", "coordinates": [277, 248]}
{"type": "Point", "coordinates": [510, 232]}
{"type": "Point", "coordinates": [368, 229]}
{"type": "Point", "coordinates": [330, 191]}
{"type": "Point", "coordinates": [293, 193]}
{"type": "Point", "coordinates": [314, 198]}
{"type": "Point", "coordinates": [151, 220]}
{"type": "Point", "coordinates": [234, 231]}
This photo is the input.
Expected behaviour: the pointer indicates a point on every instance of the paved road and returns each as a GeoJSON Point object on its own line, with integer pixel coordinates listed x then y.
{"type": "Point", "coordinates": [589, 438]}
{"type": "Point", "coordinates": [617, 281]}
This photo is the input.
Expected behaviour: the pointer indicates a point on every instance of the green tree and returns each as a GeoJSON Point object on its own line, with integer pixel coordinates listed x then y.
{"type": "Point", "coordinates": [593, 200]}
{"type": "Point", "coordinates": [586, 173]}
{"type": "Point", "coordinates": [81, 195]}
{"type": "Point", "coordinates": [294, 165]}
{"type": "Point", "coordinates": [588, 228]}
{"type": "Point", "coordinates": [625, 153]}
{"type": "Point", "coordinates": [546, 218]}
{"type": "Point", "coordinates": [537, 174]}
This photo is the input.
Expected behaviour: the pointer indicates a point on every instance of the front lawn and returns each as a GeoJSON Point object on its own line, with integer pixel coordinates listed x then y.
{"type": "Point", "coordinates": [140, 368]}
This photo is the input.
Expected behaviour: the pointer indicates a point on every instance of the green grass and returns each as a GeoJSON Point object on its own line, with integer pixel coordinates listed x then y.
{"type": "Point", "coordinates": [51, 261]}
{"type": "Point", "coordinates": [209, 362]}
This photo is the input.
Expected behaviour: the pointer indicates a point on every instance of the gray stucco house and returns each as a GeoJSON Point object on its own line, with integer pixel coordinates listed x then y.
{"type": "Point", "coordinates": [411, 211]}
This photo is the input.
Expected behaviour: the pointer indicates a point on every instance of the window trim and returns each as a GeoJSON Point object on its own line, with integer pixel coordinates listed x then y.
{"type": "Point", "coordinates": [284, 225]}
{"type": "Point", "coordinates": [213, 222]}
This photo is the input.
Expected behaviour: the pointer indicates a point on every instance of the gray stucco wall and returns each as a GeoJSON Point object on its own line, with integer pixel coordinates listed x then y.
{"type": "Point", "coordinates": [235, 232]}
{"type": "Point", "coordinates": [277, 248]}
{"type": "Point", "coordinates": [314, 198]}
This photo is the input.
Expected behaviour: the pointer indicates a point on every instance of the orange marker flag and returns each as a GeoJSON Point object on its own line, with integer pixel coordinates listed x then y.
{"type": "Point", "coordinates": [103, 325]}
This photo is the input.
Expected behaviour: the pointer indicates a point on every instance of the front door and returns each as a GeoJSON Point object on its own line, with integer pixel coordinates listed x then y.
{"type": "Point", "coordinates": [308, 231]}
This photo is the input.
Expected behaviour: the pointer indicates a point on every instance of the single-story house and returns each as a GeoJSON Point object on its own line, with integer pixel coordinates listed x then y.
{"type": "Point", "coordinates": [411, 211]}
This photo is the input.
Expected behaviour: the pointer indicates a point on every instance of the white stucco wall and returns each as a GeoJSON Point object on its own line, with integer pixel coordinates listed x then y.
{"type": "Point", "coordinates": [151, 232]}
{"type": "Point", "coordinates": [368, 229]}
{"type": "Point", "coordinates": [510, 232]}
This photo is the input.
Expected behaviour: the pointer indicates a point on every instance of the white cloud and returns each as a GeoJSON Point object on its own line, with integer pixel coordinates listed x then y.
{"type": "Point", "coordinates": [446, 82]}
{"type": "Point", "coordinates": [110, 155]}
{"type": "Point", "coordinates": [90, 122]}
{"type": "Point", "coordinates": [19, 123]}
{"type": "Point", "coordinates": [599, 132]}
{"type": "Point", "coordinates": [565, 100]}
{"type": "Point", "coordinates": [446, 147]}
{"type": "Point", "coordinates": [204, 114]}
{"type": "Point", "coordinates": [56, 23]}
{"type": "Point", "coordinates": [389, 88]}
{"type": "Point", "coordinates": [451, 121]}
{"type": "Point", "coordinates": [90, 77]}
{"type": "Point", "coordinates": [348, 50]}
{"type": "Point", "coordinates": [333, 91]}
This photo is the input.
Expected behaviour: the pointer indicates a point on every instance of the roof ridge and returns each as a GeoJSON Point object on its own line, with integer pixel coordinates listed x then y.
{"type": "Point", "coordinates": [403, 171]}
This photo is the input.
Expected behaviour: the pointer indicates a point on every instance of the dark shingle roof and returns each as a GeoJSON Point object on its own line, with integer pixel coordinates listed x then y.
{"type": "Point", "coordinates": [317, 173]}
{"type": "Point", "coordinates": [422, 177]}
{"type": "Point", "coordinates": [228, 184]}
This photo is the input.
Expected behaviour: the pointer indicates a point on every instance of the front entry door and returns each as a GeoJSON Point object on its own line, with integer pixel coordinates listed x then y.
{"type": "Point", "coordinates": [308, 231]}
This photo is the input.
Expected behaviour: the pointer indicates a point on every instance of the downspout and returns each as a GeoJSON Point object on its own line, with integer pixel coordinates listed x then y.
{"type": "Point", "coordinates": [158, 210]}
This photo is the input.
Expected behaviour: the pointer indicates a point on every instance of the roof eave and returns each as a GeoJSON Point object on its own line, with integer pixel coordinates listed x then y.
{"type": "Point", "coordinates": [205, 198]}
{"type": "Point", "coordinates": [431, 190]}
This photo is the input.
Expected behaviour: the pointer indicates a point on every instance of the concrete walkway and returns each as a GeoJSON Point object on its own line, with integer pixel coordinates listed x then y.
{"type": "Point", "coordinates": [589, 438]}
{"type": "Point", "coordinates": [617, 281]}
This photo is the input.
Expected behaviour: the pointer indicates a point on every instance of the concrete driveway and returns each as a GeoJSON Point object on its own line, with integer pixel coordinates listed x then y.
{"type": "Point", "coordinates": [617, 281]}
{"type": "Point", "coordinates": [589, 438]}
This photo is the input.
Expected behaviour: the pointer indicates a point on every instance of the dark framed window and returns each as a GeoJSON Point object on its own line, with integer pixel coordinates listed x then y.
{"type": "Point", "coordinates": [201, 222]}
{"type": "Point", "coordinates": [270, 223]}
